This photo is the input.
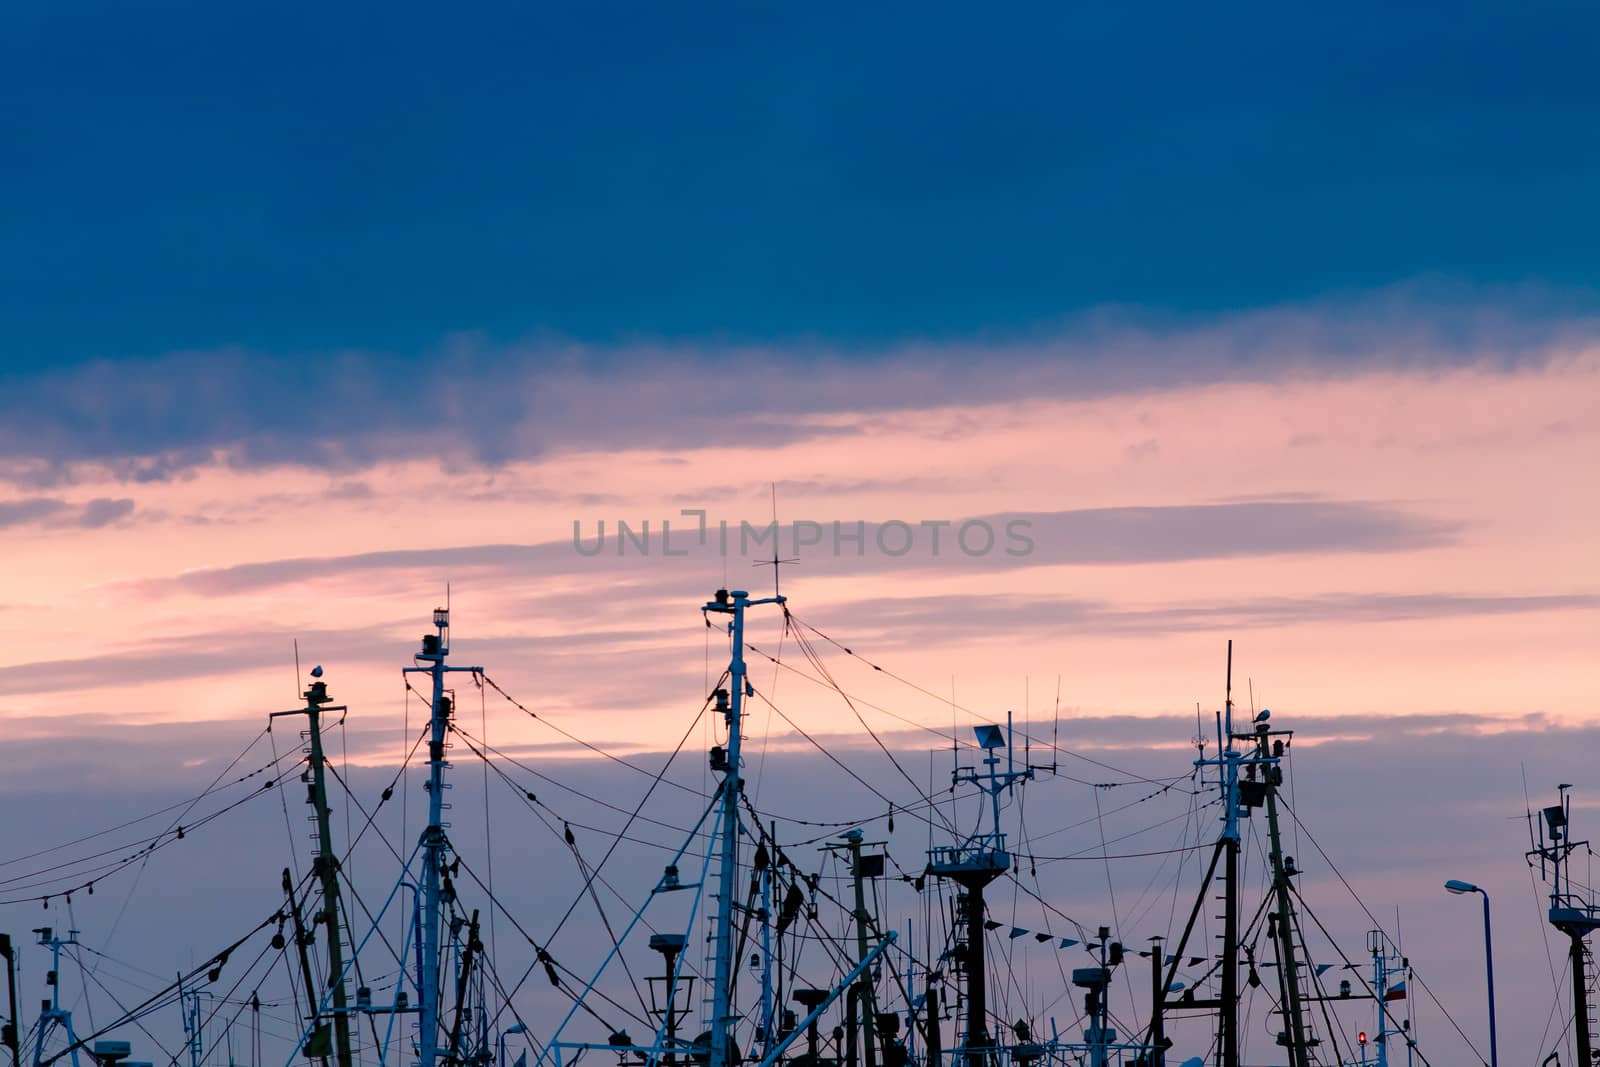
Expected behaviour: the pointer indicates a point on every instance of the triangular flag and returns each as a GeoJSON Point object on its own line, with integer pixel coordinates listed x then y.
{"type": "Point", "coordinates": [1016, 932]}
{"type": "Point", "coordinates": [522, 1060]}
{"type": "Point", "coordinates": [1195, 961]}
{"type": "Point", "coordinates": [991, 925]}
{"type": "Point", "coordinates": [1323, 968]}
{"type": "Point", "coordinates": [1171, 959]}
{"type": "Point", "coordinates": [1041, 938]}
{"type": "Point", "coordinates": [1067, 942]}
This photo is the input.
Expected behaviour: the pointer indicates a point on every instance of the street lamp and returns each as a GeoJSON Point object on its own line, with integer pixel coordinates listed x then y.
{"type": "Point", "coordinates": [1458, 887]}
{"type": "Point", "coordinates": [519, 1028]}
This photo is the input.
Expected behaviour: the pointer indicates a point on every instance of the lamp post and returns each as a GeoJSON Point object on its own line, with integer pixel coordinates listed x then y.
{"type": "Point", "coordinates": [519, 1028]}
{"type": "Point", "coordinates": [1459, 887]}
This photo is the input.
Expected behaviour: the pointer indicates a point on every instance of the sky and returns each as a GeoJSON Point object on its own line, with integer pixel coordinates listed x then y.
{"type": "Point", "coordinates": [1062, 346]}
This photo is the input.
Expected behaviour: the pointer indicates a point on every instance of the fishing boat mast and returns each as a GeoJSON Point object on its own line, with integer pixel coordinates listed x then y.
{"type": "Point", "coordinates": [732, 604]}
{"type": "Point", "coordinates": [1570, 912]}
{"type": "Point", "coordinates": [1229, 761]}
{"type": "Point", "coordinates": [325, 865]}
{"type": "Point", "coordinates": [435, 650]}
{"type": "Point", "coordinates": [1269, 749]}
{"type": "Point", "coordinates": [717, 1046]}
{"type": "Point", "coordinates": [1248, 776]}
{"type": "Point", "coordinates": [972, 865]}
{"type": "Point", "coordinates": [1384, 969]}
{"type": "Point", "coordinates": [54, 1015]}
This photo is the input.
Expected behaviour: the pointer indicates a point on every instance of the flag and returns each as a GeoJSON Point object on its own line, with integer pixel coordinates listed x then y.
{"type": "Point", "coordinates": [1398, 992]}
{"type": "Point", "coordinates": [1017, 931]}
{"type": "Point", "coordinates": [522, 1060]}
{"type": "Point", "coordinates": [1067, 942]}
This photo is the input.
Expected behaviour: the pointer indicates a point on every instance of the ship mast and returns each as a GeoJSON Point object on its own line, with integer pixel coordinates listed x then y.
{"type": "Point", "coordinates": [1569, 912]}
{"type": "Point", "coordinates": [863, 996]}
{"type": "Point", "coordinates": [1283, 869]}
{"type": "Point", "coordinates": [1248, 776]}
{"type": "Point", "coordinates": [54, 1015]}
{"type": "Point", "coordinates": [326, 864]}
{"type": "Point", "coordinates": [733, 604]}
{"type": "Point", "coordinates": [972, 865]}
{"type": "Point", "coordinates": [1236, 802]}
{"type": "Point", "coordinates": [435, 650]}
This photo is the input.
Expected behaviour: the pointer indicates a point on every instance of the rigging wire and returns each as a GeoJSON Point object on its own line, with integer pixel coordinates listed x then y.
{"type": "Point", "coordinates": [815, 660]}
{"type": "Point", "coordinates": [488, 840]}
{"type": "Point", "coordinates": [656, 780]}
{"type": "Point", "coordinates": [1376, 925]}
{"type": "Point", "coordinates": [973, 714]}
{"type": "Point", "coordinates": [95, 875]}
{"type": "Point", "coordinates": [487, 750]}
{"type": "Point", "coordinates": [596, 749]}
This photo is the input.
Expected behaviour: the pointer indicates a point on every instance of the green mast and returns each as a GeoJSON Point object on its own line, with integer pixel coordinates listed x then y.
{"type": "Point", "coordinates": [1282, 870]}
{"type": "Point", "coordinates": [326, 866]}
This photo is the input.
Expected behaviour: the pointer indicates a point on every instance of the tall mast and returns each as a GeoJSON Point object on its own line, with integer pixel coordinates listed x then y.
{"type": "Point", "coordinates": [10, 1036]}
{"type": "Point", "coordinates": [732, 604]}
{"type": "Point", "coordinates": [54, 1014]}
{"type": "Point", "coordinates": [1248, 775]}
{"type": "Point", "coordinates": [316, 1045]}
{"type": "Point", "coordinates": [1570, 912]}
{"type": "Point", "coordinates": [435, 650]}
{"type": "Point", "coordinates": [768, 1021]}
{"type": "Point", "coordinates": [1384, 968]}
{"type": "Point", "coordinates": [863, 867]}
{"type": "Point", "coordinates": [1158, 994]}
{"type": "Point", "coordinates": [1282, 870]}
{"type": "Point", "coordinates": [326, 864]}
{"type": "Point", "coordinates": [1228, 761]}
{"type": "Point", "coordinates": [1229, 1015]}
{"type": "Point", "coordinates": [972, 865]}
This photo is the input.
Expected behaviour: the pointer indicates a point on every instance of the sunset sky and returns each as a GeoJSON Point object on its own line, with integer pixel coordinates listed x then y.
{"type": "Point", "coordinates": [1272, 326]}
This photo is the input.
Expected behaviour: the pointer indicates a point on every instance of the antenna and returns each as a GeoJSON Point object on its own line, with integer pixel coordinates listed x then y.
{"type": "Point", "coordinates": [955, 754]}
{"type": "Point", "coordinates": [1055, 730]}
{"type": "Point", "coordinates": [777, 539]}
{"type": "Point", "coordinates": [297, 666]}
{"type": "Point", "coordinates": [1027, 722]}
{"type": "Point", "coordinates": [1228, 688]}
{"type": "Point", "coordinates": [955, 757]}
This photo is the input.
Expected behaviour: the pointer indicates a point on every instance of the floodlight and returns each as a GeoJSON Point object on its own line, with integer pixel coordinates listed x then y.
{"type": "Point", "coordinates": [990, 737]}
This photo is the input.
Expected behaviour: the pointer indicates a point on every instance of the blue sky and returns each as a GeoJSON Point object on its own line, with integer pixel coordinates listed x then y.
{"type": "Point", "coordinates": [1281, 325]}
{"type": "Point", "coordinates": [300, 179]}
